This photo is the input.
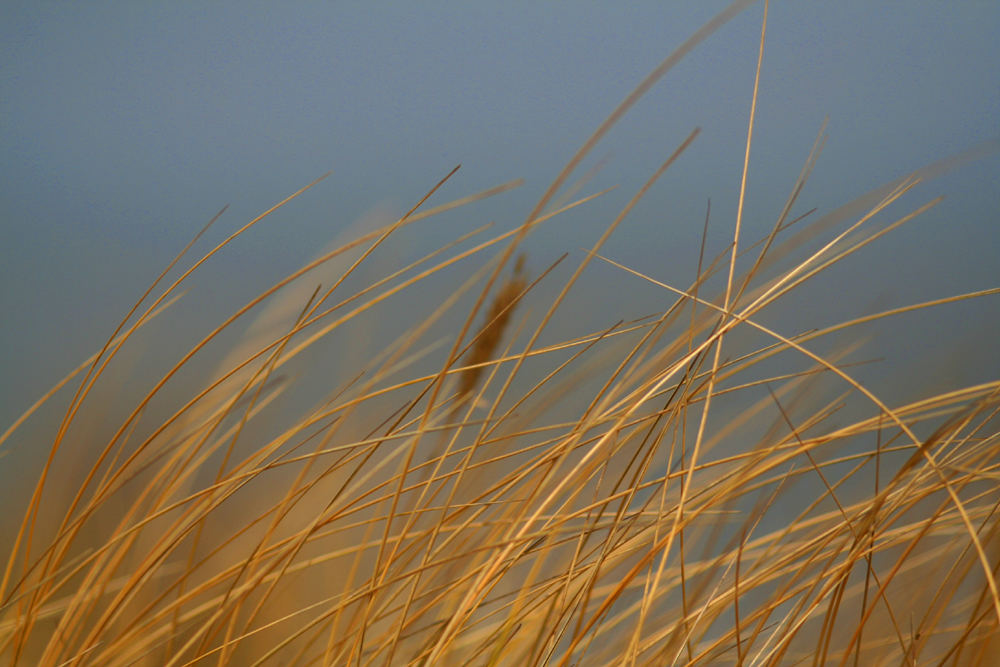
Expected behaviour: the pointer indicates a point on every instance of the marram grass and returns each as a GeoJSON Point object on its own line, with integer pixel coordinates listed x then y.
{"type": "Point", "coordinates": [484, 491]}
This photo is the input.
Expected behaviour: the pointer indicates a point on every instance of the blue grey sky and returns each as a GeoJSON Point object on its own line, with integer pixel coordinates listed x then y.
{"type": "Point", "coordinates": [126, 126]}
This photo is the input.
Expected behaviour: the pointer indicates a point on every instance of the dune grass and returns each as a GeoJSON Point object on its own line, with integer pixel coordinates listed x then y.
{"type": "Point", "coordinates": [652, 491]}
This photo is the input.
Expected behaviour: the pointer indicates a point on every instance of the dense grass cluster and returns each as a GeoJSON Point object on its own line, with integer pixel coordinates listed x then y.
{"type": "Point", "coordinates": [651, 491]}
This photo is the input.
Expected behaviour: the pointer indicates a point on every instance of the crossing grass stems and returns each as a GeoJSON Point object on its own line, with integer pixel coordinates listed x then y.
{"type": "Point", "coordinates": [646, 491]}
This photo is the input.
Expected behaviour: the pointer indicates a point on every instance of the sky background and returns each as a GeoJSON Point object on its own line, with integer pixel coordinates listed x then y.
{"type": "Point", "coordinates": [126, 126]}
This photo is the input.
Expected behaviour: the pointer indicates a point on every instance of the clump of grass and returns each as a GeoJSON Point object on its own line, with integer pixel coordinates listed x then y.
{"type": "Point", "coordinates": [647, 492]}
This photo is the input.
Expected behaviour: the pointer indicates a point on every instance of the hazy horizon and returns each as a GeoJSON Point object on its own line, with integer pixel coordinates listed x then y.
{"type": "Point", "coordinates": [126, 128]}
